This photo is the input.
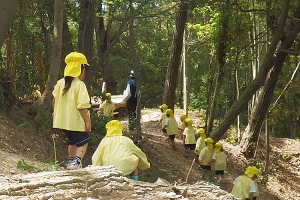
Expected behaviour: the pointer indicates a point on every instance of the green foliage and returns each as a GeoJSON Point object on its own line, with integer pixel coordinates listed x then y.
{"type": "Point", "coordinates": [99, 123]}
{"type": "Point", "coordinates": [21, 164]}
{"type": "Point", "coordinates": [232, 137]}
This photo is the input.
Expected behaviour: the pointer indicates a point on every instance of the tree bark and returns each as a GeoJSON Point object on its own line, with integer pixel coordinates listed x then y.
{"type": "Point", "coordinates": [280, 42]}
{"type": "Point", "coordinates": [8, 9]}
{"type": "Point", "coordinates": [175, 55]}
{"type": "Point", "coordinates": [44, 106]}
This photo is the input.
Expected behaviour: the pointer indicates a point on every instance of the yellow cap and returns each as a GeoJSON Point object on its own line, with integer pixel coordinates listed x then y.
{"type": "Point", "coordinates": [169, 111]}
{"type": "Point", "coordinates": [183, 117]}
{"type": "Point", "coordinates": [251, 171]}
{"type": "Point", "coordinates": [114, 128]}
{"type": "Point", "coordinates": [74, 61]}
{"type": "Point", "coordinates": [164, 107]}
{"type": "Point", "coordinates": [209, 140]}
{"type": "Point", "coordinates": [189, 122]}
{"type": "Point", "coordinates": [218, 147]}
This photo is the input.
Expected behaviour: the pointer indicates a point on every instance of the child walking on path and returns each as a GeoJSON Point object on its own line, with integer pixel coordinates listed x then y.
{"type": "Point", "coordinates": [200, 144]}
{"type": "Point", "coordinates": [171, 126]}
{"type": "Point", "coordinates": [205, 159]}
{"type": "Point", "coordinates": [163, 119]}
{"type": "Point", "coordinates": [220, 161]}
{"type": "Point", "coordinates": [189, 138]}
{"type": "Point", "coordinates": [181, 126]}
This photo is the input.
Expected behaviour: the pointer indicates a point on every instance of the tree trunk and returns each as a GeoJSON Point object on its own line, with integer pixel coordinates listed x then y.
{"type": "Point", "coordinates": [277, 49]}
{"type": "Point", "coordinates": [40, 64]}
{"type": "Point", "coordinates": [44, 108]}
{"type": "Point", "coordinates": [8, 9]}
{"type": "Point", "coordinates": [175, 55]}
{"type": "Point", "coordinates": [86, 35]}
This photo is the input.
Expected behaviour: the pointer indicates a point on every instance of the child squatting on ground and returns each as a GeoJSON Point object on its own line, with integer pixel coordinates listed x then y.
{"type": "Point", "coordinates": [245, 186]}
{"type": "Point", "coordinates": [171, 126]}
{"type": "Point", "coordinates": [120, 151]}
{"type": "Point", "coordinates": [189, 139]}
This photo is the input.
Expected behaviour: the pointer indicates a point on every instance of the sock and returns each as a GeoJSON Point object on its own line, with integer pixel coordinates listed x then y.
{"type": "Point", "coordinates": [133, 177]}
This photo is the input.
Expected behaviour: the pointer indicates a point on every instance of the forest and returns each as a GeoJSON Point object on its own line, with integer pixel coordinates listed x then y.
{"type": "Point", "coordinates": [236, 61]}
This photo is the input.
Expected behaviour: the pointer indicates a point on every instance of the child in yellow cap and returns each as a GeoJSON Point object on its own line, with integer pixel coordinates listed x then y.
{"type": "Point", "coordinates": [200, 144]}
{"type": "Point", "coordinates": [120, 151]}
{"type": "Point", "coordinates": [189, 137]}
{"type": "Point", "coordinates": [181, 126]}
{"type": "Point", "coordinates": [71, 108]}
{"type": "Point", "coordinates": [162, 120]}
{"type": "Point", "coordinates": [220, 161]}
{"type": "Point", "coordinates": [107, 107]}
{"type": "Point", "coordinates": [244, 185]}
{"type": "Point", "coordinates": [205, 159]}
{"type": "Point", "coordinates": [171, 126]}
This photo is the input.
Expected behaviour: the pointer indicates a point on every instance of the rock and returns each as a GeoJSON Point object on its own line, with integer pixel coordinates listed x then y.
{"type": "Point", "coordinates": [94, 183]}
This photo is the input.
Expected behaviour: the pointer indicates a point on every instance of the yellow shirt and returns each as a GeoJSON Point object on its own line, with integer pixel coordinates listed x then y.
{"type": "Point", "coordinates": [108, 108]}
{"type": "Point", "coordinates": [163, 119]}
{"type": "Point", "coordinates": [66, 107]}
{"type": "Point", "coordinates": [121, 152]}
{"type": "Point", "coordinates": [205, 157]}
{"type": "Point", "coordinates": [172, 128]}
{"type": "Point", "coordinates": [242, 185]}
{"type": "Point", "coordinates": [220, 161]}
{"type": "Point", "coordinates": [200, 144]}
{"type": "Point", "coordinates": [189, 135]}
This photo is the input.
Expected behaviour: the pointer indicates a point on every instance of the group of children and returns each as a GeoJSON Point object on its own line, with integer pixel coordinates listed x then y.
{"type": "Point", "coordinates": [208, 155]}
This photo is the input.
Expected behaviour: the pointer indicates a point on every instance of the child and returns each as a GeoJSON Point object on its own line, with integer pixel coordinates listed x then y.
{"type": "Point", "coordinates": [244, 185]}
{"type": "Point", "coordinates": [171, 126]}
{"type": "Point", "coordinates": [189, 137]}
{"type": "Point", "coordinates": [120, 151]}
{"type": "Point", "coordinates": [205, 158]}
{"type": "Point", "coordinates": [181, 126]}
{"type": "Point", "coordinates": [220, 162]}
{"type": "Point", "coordinates": [200, 144]}
{"type": "Point", "coordinates": [108, 107]}
{"type": "Point", "coordinates": [163, 119]}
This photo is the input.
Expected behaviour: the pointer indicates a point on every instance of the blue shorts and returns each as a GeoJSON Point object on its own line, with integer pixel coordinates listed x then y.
{"type": "Point", "coordinates": [219, 172]}
{"type": "Point", "coordinates": [77, 138]}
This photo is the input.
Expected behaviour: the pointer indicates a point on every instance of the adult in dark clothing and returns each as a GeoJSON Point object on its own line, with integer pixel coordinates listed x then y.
{"type": "Point", "coordinates": [131, 103]}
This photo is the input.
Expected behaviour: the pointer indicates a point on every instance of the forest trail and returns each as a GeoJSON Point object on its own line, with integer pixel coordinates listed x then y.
{"type": "Point", "coordinates": [19, 140]}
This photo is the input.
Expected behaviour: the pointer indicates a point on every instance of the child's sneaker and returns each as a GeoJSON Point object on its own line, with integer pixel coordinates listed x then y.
{"type": "Point", "coordinates": [73, 163]}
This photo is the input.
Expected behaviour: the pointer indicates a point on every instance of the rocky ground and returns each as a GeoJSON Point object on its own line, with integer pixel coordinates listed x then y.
{"type": "Point", "coordinates": [28, 148]}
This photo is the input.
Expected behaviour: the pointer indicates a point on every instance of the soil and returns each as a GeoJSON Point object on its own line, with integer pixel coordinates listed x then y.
{"type": "Point", "coordinates": [26, 147]}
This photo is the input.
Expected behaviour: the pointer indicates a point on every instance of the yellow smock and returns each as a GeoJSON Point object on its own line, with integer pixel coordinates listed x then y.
{"type": "Point", "coordinates": [108, 108]}
{"type": "Point", "coordinates": [172, 128]}
{"type": "Point", "coordinates": [200, 144]}
{"type": "Point", "coordinates": [189, 135]}
{"type": "Point", "coordinates": [163, 119]}
{"type": "Point", "coordinates": [121, 152]}
{"type": "Point", "coordinates": [66, 113]}
{"type": "Point", "coordinates": [242, 186]}
{"type": "Point", "coordinates": [220, 161]}
{"type": "Point", "coordinates": [205, 156]}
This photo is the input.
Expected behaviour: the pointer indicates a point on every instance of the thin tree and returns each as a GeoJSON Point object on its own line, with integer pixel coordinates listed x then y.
{"type": "Point", "coordinates": [175, 54]}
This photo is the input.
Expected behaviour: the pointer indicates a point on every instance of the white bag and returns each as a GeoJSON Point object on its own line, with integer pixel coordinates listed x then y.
{"type": "Point", "coordinates": [126, 93]}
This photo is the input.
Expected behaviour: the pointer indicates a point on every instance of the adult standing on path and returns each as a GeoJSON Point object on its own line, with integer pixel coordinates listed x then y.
{"type": "Point", "coordinates": [71, 108]}
{"type": "Point", "coordinates": [131, 101]}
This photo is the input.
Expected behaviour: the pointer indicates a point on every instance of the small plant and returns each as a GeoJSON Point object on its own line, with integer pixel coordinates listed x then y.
{"type": "Point", "coordinates": [21, 164]}
{"type": "Point", "coordinates": [99, 123]}
{"type": "Point", "coordinates": [54, 165]}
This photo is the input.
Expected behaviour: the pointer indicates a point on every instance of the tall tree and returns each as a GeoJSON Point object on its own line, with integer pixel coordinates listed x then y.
{"type": "Point", "coordinates": [175, 54]}
{"type": "Point", "coordinates": [283, 36]}
{"type": "Point", "coordinates": [8, 9]}
{"type": "Point", "coordinates": [44, 106]}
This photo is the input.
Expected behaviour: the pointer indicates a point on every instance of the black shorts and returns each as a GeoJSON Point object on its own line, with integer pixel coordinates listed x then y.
{"type": "Point", "coordinates": [219, 172]}
{"type": "Point", "coordinates": [77, 138]}
{"type": "Point", "coordinates": [172, 137]}
{"type": "Point", "coordinates": [205, 167]}
{"type": "Point", "coordinates": [190, 146]}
